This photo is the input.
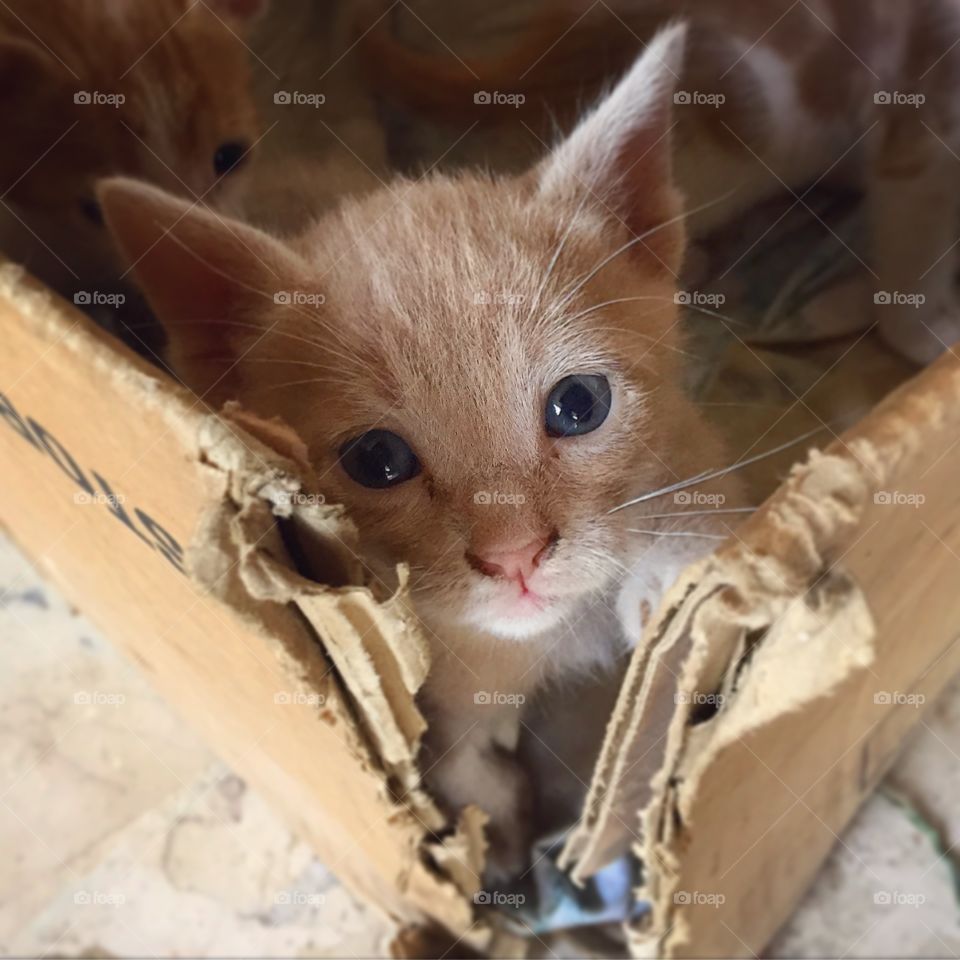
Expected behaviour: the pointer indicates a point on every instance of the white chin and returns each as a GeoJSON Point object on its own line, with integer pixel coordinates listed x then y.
{"type": "Point", "coordinates": [519, 626]}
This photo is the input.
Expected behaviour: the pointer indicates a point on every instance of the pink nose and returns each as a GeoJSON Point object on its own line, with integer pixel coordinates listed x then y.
{"type": "Point", "coordinates": [512, 563]}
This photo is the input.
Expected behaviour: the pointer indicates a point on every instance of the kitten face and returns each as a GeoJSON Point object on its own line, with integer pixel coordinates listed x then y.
{"type": "Point", "coordinates": [481, 371]}
{"type": "Point", "coordinates": [453, 352]}
{"type": "Point", "coordinates": [159, 91]}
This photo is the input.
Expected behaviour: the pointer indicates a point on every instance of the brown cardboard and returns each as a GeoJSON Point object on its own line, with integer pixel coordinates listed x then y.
{"type": "Point", "coordinates": [826, 600]}
{"type": "Point", "coordinates": [83, 418]}
{"type": "Point", "coordinates": [308, 688]}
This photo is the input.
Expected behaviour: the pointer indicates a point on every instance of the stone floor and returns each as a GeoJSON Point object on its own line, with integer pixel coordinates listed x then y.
{"type": "Point", "coordinates": [123, 835]}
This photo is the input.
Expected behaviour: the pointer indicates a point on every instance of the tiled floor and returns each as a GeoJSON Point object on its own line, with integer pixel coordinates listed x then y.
{"type": "Point", "coordinates": [123, 835]}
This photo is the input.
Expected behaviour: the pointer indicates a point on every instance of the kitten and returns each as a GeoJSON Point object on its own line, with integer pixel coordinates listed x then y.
{"type": "Point", "coordinates": [95, 88]}
{"type": "Point", "coordinates": [775, 97]}
{"type": "Point", "coordinates": [483, 371]}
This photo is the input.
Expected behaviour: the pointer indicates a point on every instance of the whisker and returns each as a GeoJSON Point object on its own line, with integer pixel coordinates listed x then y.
{"type": "Point", "coordinates": [559, 250]}
{"type": "Point", "coordinates": [299, 363]}
{"type": "Point", "coordinates": [295, 383]}
{"type": "Point", "coordinates": [699, 513]}
{"type": "Point", "coordinates": [680, 533]}
{"type": "Point", "coordinates": [633, 242]}
{"type": "Point", "coordinates": [654, 341]}
{"type": "Point", "coordinates": [715, 474]}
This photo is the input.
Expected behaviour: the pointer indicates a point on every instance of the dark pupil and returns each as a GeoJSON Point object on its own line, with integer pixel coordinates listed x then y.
{"type": "Point", "coordinates": [229, 156]}
{"type": "Point", "coordinates": [379, 459]}
{"type": "Point", "coordinates": [577, 405]}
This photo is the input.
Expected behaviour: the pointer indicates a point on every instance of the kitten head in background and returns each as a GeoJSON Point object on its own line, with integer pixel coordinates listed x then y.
{"type": "Point", "coordinates": [481, 369]}
{"type": "Point", "coordinates": [95, 88]}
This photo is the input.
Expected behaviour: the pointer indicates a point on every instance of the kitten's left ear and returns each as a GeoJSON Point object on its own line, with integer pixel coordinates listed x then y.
{"type": "Point", "coordinates": [213, 283]}
{"type": "Point", "coordinates": [621, 152]}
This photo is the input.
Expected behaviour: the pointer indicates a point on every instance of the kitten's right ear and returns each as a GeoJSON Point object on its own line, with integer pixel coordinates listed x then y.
{"type": "Point", "coordinates": [211, 282]}
{"type": "Point", "coordinates": [621, 152]}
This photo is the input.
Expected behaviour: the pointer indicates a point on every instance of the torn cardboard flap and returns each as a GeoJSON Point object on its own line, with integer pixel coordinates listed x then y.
{"type": "Point", "coordinates": [376, 648]}
{"type": "Point", "coordinates": [778, 637]}
{"type": "Point", "coordinates": [374, 643]}
{"type": "Point", "coordinates": [689, 652]}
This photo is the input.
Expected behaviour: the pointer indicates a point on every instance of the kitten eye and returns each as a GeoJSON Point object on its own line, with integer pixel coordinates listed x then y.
{"type": "Point", "coordinates": [91, 210]}
{"type": "Point", "coordinates": [577, 405]}
{"type": "Point", "coordinates": [229, 156]}
{"type": "Point", "coordinates": [378, 459]}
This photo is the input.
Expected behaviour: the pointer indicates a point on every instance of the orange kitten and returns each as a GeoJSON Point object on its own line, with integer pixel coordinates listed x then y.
{"type": "Point", "coordinates": [94, 88]}
{"type": "Point", "coordinates": [484, 371]}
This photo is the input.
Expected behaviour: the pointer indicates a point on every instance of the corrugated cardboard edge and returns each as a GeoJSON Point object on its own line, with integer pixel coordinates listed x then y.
{"type": "Point", "coordinates": [374, 644]}
{"type": "Point", "coordinates": [744, 614]}
{"type": "Point", "coordinates": [248, 483]}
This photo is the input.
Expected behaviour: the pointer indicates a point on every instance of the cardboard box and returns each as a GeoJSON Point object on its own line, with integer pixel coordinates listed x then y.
{"type": "Point", "coordinates": [767, 696]}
